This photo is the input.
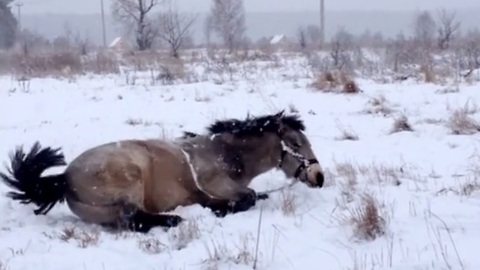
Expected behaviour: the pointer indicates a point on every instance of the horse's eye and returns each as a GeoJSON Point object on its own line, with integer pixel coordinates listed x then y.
{"type": "Point", "coordinates": [296, 145]}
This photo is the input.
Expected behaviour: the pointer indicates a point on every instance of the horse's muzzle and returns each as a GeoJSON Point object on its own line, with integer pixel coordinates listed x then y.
{"type": "Point", "coordinates": [315, 177]}
{"type": "Point", "coordinates": [320, 179]}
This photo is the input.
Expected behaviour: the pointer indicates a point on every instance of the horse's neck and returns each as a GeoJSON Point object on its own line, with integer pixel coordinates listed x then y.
{"type": "Point", "coordinates": [255, 160]}
{"type": "Point", "coordinates": [243, 161]}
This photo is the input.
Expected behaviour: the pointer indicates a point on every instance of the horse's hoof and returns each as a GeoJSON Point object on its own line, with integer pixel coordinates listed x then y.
{"type": "Point", "coordinates": [247, 201]}
{"type": "Point", "coordinates": [173, 221]}
{"type": "Point", "coordinates": [220, 213]}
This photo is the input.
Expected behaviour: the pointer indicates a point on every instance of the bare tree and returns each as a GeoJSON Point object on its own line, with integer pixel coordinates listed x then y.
{"type": "Point", "coordinates": [398, 54]}
{"type": "Point", "coordinates": [447, 28]}
{"type": "Point", "coordinates": [424, 30]}
{"type": "Point", "coordinates": [302, 38]}
{"type": "Point", "coordinates": [424, 39]}
{"type": "Point", "coordinates": [314, 34]}
{"type": "Point", "coordinates": [134, 15]}
{"type": "Point", "coordinates": [82, 43]}
{"type": "Point", "coordinates": [8, 25]}
{"type": "Point", "coordinates": [341, 46]}
{"type": "Point", "coordinates": [471, 49]}
{"type": "Point", "coordinates": [61, 43]}
{"type": "Point", "coordinates": [174, 28]}
{"type": "Point", "coordinates": [30, 41]}
{"type": "Point", "coordinates": [228, 21]}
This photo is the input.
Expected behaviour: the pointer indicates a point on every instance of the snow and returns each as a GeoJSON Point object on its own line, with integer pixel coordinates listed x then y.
{"type": "Point", "coordinates": [430, 223]}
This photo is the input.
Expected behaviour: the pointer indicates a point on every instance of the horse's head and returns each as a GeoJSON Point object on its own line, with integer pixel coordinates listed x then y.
{"type": "Point", "coordinates": [297, 158]}
{"type": "Point", "coordinates": [269, 141]}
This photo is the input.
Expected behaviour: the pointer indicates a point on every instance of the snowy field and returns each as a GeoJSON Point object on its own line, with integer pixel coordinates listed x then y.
{"type": "Point", "coordinates": [424, 182]}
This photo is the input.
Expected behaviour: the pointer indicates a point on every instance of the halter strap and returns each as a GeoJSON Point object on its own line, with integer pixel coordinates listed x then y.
{"type": "Point", "coordinates": [304, 163]}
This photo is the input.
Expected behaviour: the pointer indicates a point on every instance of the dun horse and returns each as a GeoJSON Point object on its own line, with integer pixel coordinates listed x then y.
{"type": "Point", "coordinates": [128, 184]}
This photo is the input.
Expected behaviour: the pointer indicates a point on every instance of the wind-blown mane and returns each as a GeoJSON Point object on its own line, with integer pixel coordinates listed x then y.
{"type": "Point", "coordinates": [256, 126]}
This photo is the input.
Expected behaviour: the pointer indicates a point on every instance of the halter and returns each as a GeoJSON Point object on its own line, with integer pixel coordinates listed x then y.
{"type": "Point", "coordinates": [304, 163]}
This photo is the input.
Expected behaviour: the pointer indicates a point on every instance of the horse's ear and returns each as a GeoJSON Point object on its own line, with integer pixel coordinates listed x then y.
{"type": "Point", "coordinates": [279, 114]}
{"type": "Point", "coordinates": [278, 119]}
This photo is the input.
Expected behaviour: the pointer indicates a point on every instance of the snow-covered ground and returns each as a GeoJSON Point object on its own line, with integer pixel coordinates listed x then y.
{"type": "Point", "coordinates": [425, 180]}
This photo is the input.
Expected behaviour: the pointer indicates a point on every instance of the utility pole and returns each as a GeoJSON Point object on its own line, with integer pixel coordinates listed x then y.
{"type": "Point", "coordinates": [103, 25]}
{"type": "Point", "coordinates": [19, 14]}
{"type": "Point", "coordinates": [322, 22]}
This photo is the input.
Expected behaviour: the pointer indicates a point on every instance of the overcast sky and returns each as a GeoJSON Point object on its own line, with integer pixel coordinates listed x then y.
{"type": "Point", "coordinates": [93, 6]}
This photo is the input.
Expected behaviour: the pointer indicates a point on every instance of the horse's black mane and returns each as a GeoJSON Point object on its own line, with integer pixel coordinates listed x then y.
{"type": "Point", "coordinates": [256, 126]}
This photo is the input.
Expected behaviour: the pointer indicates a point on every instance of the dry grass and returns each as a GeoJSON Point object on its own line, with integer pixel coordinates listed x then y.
{"type": "Point", "coordinates": [202, 98]}
{"type": "Point", "coordinates": [373, 173]}
{"type": "Point", "coordinates": [172, 71]}
{"type": "Point", "coordinates": [335, 81]}
{"type": "Point", "coordinates": [329, 178]}
{"type": "Point", "coordinates": [67, 63]}
{"type": "Point", "coordinates": [400, 124]}
{"type": "Point", "coordinates": [59, 63]}
{"type": "Point", "coordinates": [379, 105]}
{"type": "Point", "coordinates": [151, 245]}
{"type": "Point", "coordinates": [289, 202]}
{"type": "Point", "coordinates": [184, 233]}
{"type": "Point", "coordinates": [348, 173]}
{"type": "Point", "coordinates": [348, 180]}
{"type": "Point", "coordinates": [102, 62]}
{"type": "Point", "coordinates": [381, 173]}
{"type": "Point", "coordinates": [428, 74]}
{"type": "Point", "coordinates": [83, 238]}
{"type": "Point", "coordinates": [471, 107]}
{"type": "Point", "coordinates": [470, 187]}
{"type": "Point", "coordinates": [368, 220]}
{"type": "Point", "coordinates": [460, 123]}
{"type": "Point", "coordinates": [471, 184]}
{"type": "Point", "coordinates": [449, 90]}
{"type": "Point", "coordinates": [137, 122]}
{"type": "Point", "coordinates": [346, 134]}
{"type": "Point", "coordinates": [243, 252]}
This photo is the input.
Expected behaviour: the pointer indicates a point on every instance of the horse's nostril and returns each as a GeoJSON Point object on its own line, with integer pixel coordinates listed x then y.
{"type": "Point", "coordinates": [320, 179]}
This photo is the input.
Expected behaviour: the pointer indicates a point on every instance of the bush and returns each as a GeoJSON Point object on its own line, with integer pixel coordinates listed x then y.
{"type": "Point", "coordinates": [335, 82]}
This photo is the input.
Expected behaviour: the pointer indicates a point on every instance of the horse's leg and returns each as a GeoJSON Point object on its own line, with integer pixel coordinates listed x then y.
{"type": "Point", "coordinates": [228, 196]}
{"type": "Point", "coordinates": [262, 196]}
{"type": "Point", "coordinates": [121, 216]}
{"type": "Point", "coordinates": [222, 208]}
{"type": "Point", "coordinates": [138, 220]}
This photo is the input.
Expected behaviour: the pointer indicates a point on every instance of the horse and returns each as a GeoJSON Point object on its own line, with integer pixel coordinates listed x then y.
{"type": "Point", "coordinates": [132, 184]}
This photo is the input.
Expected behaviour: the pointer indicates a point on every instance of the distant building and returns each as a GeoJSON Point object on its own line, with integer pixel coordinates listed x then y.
{"type": "Point", "coordinates": [119, 45]}
{"type": "Point", "coordinates": [280, 42]}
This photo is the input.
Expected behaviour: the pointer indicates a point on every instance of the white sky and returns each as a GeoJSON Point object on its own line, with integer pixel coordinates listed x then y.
{"type": "Point", "coordinates": [93, 6]}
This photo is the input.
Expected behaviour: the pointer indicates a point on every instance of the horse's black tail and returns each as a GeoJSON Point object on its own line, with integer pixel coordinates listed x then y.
{"type": "Point", "coordinates": [25, 177]}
